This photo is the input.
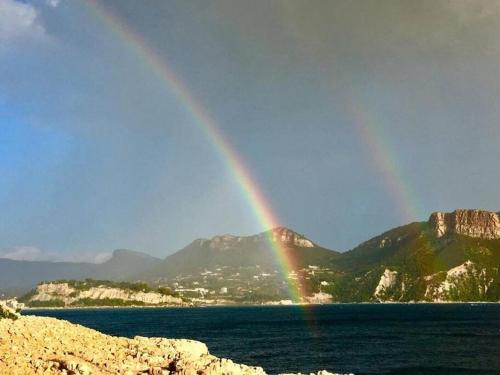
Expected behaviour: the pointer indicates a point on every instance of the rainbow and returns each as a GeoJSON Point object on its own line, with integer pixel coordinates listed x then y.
{"type": "Point", "coordinates": [253, 195]}
{"type": "Point", "coordinates": [383, 159]}
{"type": "Point", "coordinates": [369, 131]}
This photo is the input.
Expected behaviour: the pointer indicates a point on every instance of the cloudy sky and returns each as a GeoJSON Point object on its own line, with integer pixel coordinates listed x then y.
{"type": "Point", "coordinates": [352, 116]}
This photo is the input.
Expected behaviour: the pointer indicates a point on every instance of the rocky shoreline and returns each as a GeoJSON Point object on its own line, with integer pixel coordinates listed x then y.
{"type": "Point", "coordinates": [39, 345]}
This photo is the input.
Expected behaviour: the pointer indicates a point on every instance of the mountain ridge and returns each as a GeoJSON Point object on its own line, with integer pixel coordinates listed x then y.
{"type": "Point", "coordinates": [406, 259]}
{"type": "Point", "coordinates": [229, 250]}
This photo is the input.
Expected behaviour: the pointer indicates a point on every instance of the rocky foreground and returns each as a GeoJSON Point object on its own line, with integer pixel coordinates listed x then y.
{"type": "Point", "coordinates": [39, 345]}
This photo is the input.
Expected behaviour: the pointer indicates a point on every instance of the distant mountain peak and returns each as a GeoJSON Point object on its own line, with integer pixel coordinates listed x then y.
{"type": "Point", "coordinates": [468, 222]}
{"type": "Point", "coordinates": [277, 234]}
{"type": "Point", "coordinates": [126, 253]}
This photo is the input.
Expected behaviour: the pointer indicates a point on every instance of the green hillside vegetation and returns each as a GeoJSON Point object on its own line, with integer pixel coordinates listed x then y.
{"type": "Point", "coordinates": [413, 249]}
{"type": "Point", "coordinates": [52, 303]}
{"type": "Point", "coordinates": [112, 302]}
{"type": "Point", "coordinates": [6, 314]}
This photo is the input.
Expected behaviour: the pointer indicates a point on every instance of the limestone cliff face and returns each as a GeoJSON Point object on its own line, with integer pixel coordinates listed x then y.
{"type": "Point", "coordinates": [472, 223]}
{"type": "Point", "coordinates": [289, 237]}
{"type": "Point", "coordinates": [68, 294]}
{"type": "Point", "coordinates": [387, 281]}
{"type": "Point", "coordinates": [280, 234]}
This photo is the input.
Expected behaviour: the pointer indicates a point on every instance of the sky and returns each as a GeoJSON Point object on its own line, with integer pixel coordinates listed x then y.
{"type": "Point", "coordinates": [352, 117]}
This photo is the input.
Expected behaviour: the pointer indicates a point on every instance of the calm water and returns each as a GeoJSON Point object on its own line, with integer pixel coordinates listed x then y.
{"type": "Point", "coordinates": [364, 339]}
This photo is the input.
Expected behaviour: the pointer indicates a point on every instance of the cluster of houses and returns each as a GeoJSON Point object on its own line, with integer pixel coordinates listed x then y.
{"type": "Point", "coordinates": [238, 283]}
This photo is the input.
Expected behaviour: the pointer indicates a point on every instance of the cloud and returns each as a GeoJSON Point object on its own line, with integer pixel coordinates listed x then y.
{"type": "Point", "coordinates": [53, 3]}
{"type": "Point", "coordinates": [25, 253]}
{"type": "Point", "coordinates": [100, 257]}
{"type": "Point", "coordinates": [32, 253]}
{"type": "Point", "coordinates": [19, 20]}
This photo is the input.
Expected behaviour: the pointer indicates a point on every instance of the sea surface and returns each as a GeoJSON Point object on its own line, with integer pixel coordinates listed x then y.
{"type": "Point", "coordinates": [352, 338]}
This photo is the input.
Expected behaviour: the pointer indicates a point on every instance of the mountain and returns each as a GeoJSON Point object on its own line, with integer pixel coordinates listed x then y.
{"type": "Point", "coordinates": [431, 246]}
{"type": "Point", "coordinates": [18, 276]}
{"type": "Point", "coordinates": [237, 252]}
{"type": "Point", "coordinates": [452, 256]}
{"type": "Point", "coordinates": [125, 265]}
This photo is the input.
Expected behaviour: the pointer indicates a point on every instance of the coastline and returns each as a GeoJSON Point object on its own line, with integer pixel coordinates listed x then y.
{"type": "Point", "coordinates": [256, 305]}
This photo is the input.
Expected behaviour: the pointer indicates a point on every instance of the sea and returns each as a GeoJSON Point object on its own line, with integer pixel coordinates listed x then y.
{"type": "Point", "coordinates": [361, 339]}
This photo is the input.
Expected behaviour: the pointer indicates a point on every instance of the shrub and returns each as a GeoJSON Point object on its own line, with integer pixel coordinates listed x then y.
{"type": "Point", "coordinates": [51, 303]}
{"type": "Point", "coordinates": [106, 302]}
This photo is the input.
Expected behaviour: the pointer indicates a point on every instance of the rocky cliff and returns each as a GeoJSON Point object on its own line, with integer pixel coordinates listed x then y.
{"type": "Point", "coordinates": [281, 235]}
{"type": "Point", "coordinates": [79, 291]}
{"type": "Point", "coordinates": [36, 345]}
{"type": "Point", "coordinates": [289, 237]}
{"type": "Point", "coordinates": [472, 223]}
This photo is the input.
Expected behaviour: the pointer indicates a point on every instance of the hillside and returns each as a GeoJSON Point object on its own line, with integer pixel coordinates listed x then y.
{"type": "Point", "coordinates": [424, 261]}
{"type": "Point", "coordinates": [417, 250]}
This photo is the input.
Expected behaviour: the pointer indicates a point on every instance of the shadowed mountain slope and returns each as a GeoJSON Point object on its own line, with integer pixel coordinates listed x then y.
{"type": "Point", "coordinates": [235, 251]}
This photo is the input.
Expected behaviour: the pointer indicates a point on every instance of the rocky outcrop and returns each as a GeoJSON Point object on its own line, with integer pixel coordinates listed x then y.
{"type": "Point", "coordinates": [386, 283]}
{"type": "Point", "coordinates": [68, 294]}
{"type": "Point", "coordinates": [319, 298]}
{"type": "Point", "coordinates": [36, 345]}
{"type": "Point", "coordinates": [472, 223]}
{"type": "Point", "coordinates": [466, 282]}
{"type": "Point", "coordinates": [282, 235]}
{"type": "Point", "coordinates": [289, 237]}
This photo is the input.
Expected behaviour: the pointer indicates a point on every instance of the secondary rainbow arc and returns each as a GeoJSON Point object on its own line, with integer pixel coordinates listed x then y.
{"type": "Point", "coordinates": [384, 161]}
{"type": "Point", "coordinates": [258, 203]}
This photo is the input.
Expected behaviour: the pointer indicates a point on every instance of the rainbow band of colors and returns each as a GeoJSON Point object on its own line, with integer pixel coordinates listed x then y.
{"type": "Point", "coordinates": [257, 202]}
